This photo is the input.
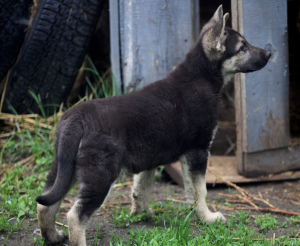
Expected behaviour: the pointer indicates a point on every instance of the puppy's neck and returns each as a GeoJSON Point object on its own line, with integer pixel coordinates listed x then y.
{"type": "Point", "coordinates": [198, 69]}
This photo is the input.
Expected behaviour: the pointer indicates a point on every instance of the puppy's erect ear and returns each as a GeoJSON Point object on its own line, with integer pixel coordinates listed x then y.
{"type": "Point", "coordinates": [214, 20]}
{"type": "Point", "coordinates": [220, 45]}
{"type": "Point", "coordinates": [213, 41]}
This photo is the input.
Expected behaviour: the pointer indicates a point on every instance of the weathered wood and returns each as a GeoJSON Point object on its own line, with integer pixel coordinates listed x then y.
{"type": "Point", "coordinates": [238, 93]}
{"type": "Point", "coordinates": [264, 94]}
{"type": "Point", "coordinates": [115, 44]}
{"type": "Point", "coordinates": [226, 167]}
{"type": "Point", "coordinates": [154, 37]}
{"type": "Point", "coordinates": [262, 98]}
{"type": "Point", "coordinates": [271, 161]}
{"type": "Point", "coordinates": [175, 172]}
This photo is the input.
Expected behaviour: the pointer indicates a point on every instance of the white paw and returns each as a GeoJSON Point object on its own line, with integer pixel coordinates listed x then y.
{"type": "Point", "coordinates": [137, 209]}
{"type": "Point", "coordinates": [55, 237]}
{"type": "Point", "coordinates": [212, 217]}
{"type": "Point", "coordinates": [60, 236]}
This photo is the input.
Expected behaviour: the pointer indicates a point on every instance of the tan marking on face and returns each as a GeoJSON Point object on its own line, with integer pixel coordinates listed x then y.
{"type": "Point", "coordinates": [231, 65]}
{"type": "Point", "coordinates": [240, 43]}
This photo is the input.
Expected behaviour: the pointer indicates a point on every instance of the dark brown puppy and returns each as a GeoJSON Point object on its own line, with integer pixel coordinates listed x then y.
{"type": "Point", "coordinates": [174, 118]}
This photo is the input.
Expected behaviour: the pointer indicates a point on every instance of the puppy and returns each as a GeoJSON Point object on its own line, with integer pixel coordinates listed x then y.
{"type": "Point", "coordinates": [171, 119]}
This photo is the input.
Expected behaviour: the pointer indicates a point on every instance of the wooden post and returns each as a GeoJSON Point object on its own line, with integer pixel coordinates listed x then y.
{"type": "Point", "coordinates": [262, 98]}
{"type": "Point", "coordinates": [149, 38]}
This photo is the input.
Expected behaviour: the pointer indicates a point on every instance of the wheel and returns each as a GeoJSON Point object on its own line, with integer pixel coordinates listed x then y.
{"type": "Point", "coordinates": [52, 54]}
{"type": "Point", "coordinates": [14, 17]}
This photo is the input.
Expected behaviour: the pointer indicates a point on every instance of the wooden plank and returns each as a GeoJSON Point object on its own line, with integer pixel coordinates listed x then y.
{"type": "Point", "coordinates": [155, 37]}
{"type": "Point", "coordinates": [262, 98]}
{"type": "Point", "coordinates": [236, 25]}
{"type": "Point", "coordinates": [174, 171]}
{"type": "Point", "coordinates": [226, 167]}
{"type": "Point", "coordinates": [264, 94]}
{"type": "Point", "coordinates": [272, 161]}
{"type": "Point", "coordinates": [115, 44]}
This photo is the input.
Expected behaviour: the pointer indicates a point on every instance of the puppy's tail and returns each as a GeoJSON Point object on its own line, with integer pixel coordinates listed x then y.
{"type": "Point", "coordinates": [67, 148]}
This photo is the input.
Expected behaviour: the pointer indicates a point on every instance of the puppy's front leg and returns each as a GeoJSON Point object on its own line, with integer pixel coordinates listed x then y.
{"type": "Point", "coordinates": [142, 186]}
{"type": "Point", "coordinates": [194, 176]}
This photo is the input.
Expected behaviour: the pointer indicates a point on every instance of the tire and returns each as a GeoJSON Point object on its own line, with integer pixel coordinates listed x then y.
{"type": "Point", "coordinates": [14, 15]}
{"type": "Point", "coordinates": [52, 54]}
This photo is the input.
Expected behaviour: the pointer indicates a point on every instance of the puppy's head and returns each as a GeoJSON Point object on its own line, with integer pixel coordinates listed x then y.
{"type": "Point", "coordinates": [229, 48]}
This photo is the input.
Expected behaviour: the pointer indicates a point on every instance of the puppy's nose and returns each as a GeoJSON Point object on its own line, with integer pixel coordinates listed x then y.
{"type": "Point", "coordinates": [268, 54]}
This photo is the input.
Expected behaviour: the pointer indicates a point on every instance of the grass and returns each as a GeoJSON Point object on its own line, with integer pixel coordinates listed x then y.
{"type": "Point", "coordinates": [179, 226]}
{"type": "Point", "coordinates": [123, 217]}
{"type": "Point", "coordinates": [267, 222]}
{"type": "Point", "coordinates": [26, 154]}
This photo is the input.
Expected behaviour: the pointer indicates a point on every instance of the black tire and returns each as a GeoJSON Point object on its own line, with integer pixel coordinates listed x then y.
{"type": "Point", "coordinates": [52, 53]}
{"type": "Point", "coordinates": [14, 17]}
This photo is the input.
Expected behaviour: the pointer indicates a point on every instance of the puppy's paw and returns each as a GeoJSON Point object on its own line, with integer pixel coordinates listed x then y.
{"type": "Point", "coordinates": [55, 237]}
{"type": "Point", "coordinates": [138, 207]}
{"type": "Point", "coordinates": [212, 217]}
{"type": "Point", "coordinates": [136, 210]}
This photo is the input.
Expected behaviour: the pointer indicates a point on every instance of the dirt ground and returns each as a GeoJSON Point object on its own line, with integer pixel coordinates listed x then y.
{"type": "Point", "coordinates": [284, 195]}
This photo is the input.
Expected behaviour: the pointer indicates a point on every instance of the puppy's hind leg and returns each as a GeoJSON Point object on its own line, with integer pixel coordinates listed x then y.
{"type": "Point", "coordinates": [194, 177]}
{"type": "Point", "coordinates": [46, 214]}
{"type": "Point", "coordinates": [46, 220]}
{"type": "Point", "coordinates": [142, 186]}
{"type": "Point", "coordinates": [98, 166]}
{"type": "Point", "coordinates": [91, 195]}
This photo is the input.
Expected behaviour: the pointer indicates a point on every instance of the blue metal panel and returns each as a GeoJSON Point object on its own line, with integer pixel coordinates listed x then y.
{"type": "Point", "coordinates": [155, 36]}
{"type": "Point", "coordinates": [266, 92]}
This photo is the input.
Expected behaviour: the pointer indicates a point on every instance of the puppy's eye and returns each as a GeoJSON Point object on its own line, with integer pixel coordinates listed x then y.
{"type": "Point", "coordinates": [244, 48]}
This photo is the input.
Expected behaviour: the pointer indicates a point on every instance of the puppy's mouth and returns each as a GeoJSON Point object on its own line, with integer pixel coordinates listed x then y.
{"type": "Point", "coordinates": [256, 66]}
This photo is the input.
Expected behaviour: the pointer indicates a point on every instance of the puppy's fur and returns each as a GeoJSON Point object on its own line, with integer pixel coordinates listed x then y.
{"type": "Point", "coordinates": [173, 118]}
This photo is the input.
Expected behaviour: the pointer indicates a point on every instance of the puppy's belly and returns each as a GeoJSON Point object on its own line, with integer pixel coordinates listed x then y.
{"type": "Point", "coordinates": [147, 161]}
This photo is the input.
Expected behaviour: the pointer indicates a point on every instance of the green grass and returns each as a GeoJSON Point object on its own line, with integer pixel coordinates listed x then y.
{"type": "Point", "coordinates": [267, 222]}
{"type": "Point", "coordinates": [26, 156]}
{"type": "Point", "coordinates": [179, 226]}
{"type": "Point", "coordinates": [123, 217]}
{"type": "Point", "coordinates": [23, 181]}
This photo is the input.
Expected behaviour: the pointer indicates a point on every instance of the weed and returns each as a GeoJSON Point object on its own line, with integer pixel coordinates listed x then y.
{"type": "Point", "coordinates": [267, 222]}
{"type": "Point", "coordinates": [158, 175]}
{"type": "Point", "coordinates": [98, 234]}
{"type": "Point", "coordinates": [9, 224]}
{"type": "Point", "coordinates": [37, 240]}
{"type": "Point", "coordinates": [100, 87]}
{"type": "Point", "coordinates": [294, 220]}
{"type": "Point", "coordinates": [177, 233]}
{"type": "Point", "coordinates": [219, 199]}
{"type": "Point", "coordinates": [18, 191]}
{"type": "Point", "coordinates": [123, 217]}
{"type": "Point", "coordinates": [165, 211]}
{"type": "Point", "coordinates": [228, 204]}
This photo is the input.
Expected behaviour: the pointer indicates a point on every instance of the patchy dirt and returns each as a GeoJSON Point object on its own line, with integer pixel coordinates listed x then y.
{"type": "Point", "coordinates": [284, 195]}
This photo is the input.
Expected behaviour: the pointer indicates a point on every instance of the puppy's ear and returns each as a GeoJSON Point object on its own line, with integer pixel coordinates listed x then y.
{"type": "Point", "coordinates": [213, 41]}
{"type": "Point", "coordinates": [214, 20]}
{"type": "Point", "coordinates": [220, 44]}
